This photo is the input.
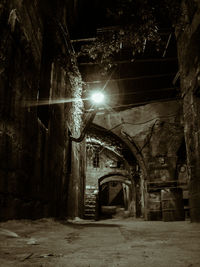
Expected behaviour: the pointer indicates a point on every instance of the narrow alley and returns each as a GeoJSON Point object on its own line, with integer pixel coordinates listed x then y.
{"type": "Point", "coordinates": [100, 133]}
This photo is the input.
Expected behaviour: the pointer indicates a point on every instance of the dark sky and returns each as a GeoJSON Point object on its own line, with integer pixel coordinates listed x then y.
{"type": "Point", "coordinates": [91, 15]}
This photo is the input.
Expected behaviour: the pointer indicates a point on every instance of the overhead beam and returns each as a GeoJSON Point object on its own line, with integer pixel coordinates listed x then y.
{"type": "Point", "coordinates": [83, 40]}
{"type": "Point", "coordinates": [150, 91]}
{"type": "Point", "coordinates": [92, 39]}
{"type": "Point", "coordinates": [137, 104]}
{"type": "Point", "coordinates": [132, 61]}
{"type": "Point", "coordinates": [133, 78]}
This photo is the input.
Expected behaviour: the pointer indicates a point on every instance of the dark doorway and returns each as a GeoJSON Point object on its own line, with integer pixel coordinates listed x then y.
{"type": "Point", "coordinates": [112, 198]}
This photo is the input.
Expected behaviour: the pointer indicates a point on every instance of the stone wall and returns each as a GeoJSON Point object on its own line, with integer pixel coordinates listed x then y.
{"type": "Point", "coordinates": [37, 158]}
{"type": "Point", "coordinates": [106, 160]}
{"type": "Point", "coordinates": [188, 40]}
{"type": "Point", "coordinates": [111, 167]}
{"type": "Point", "coordinates": [156, 131]}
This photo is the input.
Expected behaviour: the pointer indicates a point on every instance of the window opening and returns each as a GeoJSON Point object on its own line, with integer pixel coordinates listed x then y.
{"type": "Point", "coordinates": [96, 160]}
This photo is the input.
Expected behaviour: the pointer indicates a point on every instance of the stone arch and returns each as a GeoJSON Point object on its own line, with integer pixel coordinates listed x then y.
{"type": "Point", "coordinates": [128, 142]}
{"type": "Point", "coordinates": [115, 177]}
{"type": "Point", "coordinates": [118, 185]}
{"type": "Point", "coordinates": [135, 184]}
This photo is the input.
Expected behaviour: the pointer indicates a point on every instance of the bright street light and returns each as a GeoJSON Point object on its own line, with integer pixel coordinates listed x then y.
{"type": "Point", "coordinates": [97, 98]}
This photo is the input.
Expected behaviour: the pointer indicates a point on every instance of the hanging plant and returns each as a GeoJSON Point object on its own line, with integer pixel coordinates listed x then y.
{"type": "Point", "coordinates": [137, 25]}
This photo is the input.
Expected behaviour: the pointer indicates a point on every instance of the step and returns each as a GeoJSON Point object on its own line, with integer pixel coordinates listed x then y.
{"type": "Point", "coordinates": [92, 213]}
{"type": "Point", "coordinates": [90, 207]}
{"type": "Point", "coordinates": [89, 216]}
{"type": "Point", "coordinates": [90, 203]}
{"type": "Point", "coordinates": [87, 197]}
{"type": "Point", "coordinates": [90, 195]}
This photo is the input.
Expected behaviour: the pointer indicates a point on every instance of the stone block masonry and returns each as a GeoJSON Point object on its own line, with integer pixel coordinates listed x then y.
{"type": "Point", "coordinates": [36, 65]}
{"type": "Point", "coordinates": [189, 64]}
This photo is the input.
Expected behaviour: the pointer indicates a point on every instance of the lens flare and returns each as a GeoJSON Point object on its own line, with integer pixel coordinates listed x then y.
{"type": "Point", "coordinates": [97, 98]}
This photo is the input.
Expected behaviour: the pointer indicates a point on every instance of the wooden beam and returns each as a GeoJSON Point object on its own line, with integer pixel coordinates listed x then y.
{"type": "Point", "coordinates": [103, 30]}
{"type": "Point", "coordinates": [136, 104]}
{"type": "Point", "coordinates": [149, 91]}
{"type": "Point", "coordinates": [83, 40]}
{"type": "Point", "coordinates": [133, 78]}
{"type": "Point", "coordinates": [133, 61]}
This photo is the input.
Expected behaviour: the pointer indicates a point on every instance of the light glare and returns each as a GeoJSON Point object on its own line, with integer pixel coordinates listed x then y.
{"type": "Point", "coordinates": [97, 97]}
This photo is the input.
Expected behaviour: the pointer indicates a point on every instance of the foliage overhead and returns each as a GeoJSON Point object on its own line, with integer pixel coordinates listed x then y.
{"type": "Point", "coordinates": [136, 23]}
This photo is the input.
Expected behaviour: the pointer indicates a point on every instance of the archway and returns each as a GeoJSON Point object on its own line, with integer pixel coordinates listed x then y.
{"type": "Point", "coordinates": [131, 149]}
{"type": "Point", "coordinates": [115, 196]}
{"type": "Point", "coordinates": [111, 163]}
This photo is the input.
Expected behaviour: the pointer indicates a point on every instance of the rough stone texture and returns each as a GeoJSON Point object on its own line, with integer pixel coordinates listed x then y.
{"type": "Point", "coordinates": [108, 168]}
{"type": "Point", "coordinates": [115, 242]}
{"type": "Point", "coordinates": [76, 182]}
{"type": "Point", "coordinates": [154, 133]}
{"type": "Point", "coordinates": [189, 63]}
{"type": "Point", "coordinates": [157, 135]}
{"type": "Point", "coordinates": [106, 159]}
{"type": "Point", "coordinates": [35, 150]}
{"type": "Point", "coordinates": [116, 163]}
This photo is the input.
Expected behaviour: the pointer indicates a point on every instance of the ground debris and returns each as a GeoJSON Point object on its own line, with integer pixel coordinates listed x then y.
{"type": "Point", "coordinates": [8, 233]}
{"type": "Point", "coordinates": [32, 241]}
{"type": "Point", "coordinates": [129, 243]}
{"type": "Point", "coordinates": [28, 257]}
{"type": "Point", "coordinates": [72, 237]}
{"type": "Point", "coordinates": [50, 255]}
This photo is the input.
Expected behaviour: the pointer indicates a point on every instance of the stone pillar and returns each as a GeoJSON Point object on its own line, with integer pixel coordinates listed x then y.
{"type": "Point", "coordinates": [188, 42]}
{"type": "Point", "coordinates": [76, 181]}
{"type": "Point", "coordinates": [192, 139]}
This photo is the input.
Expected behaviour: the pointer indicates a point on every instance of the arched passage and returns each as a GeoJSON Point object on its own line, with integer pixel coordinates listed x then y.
{"type": "Point", "coordinates": [116, 195]}
{"type": "Point", "coordinates": [114, 177]}
{"type": "Point", "coordinates": [130, 148]}
{"type": "Point", "coordinates": [111, 175]}
{"type": "Point", "coordinates": [153, 143]}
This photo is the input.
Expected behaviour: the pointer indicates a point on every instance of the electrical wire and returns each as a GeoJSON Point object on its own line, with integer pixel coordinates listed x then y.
{"type": "Point", "coordinates": [141, 123]}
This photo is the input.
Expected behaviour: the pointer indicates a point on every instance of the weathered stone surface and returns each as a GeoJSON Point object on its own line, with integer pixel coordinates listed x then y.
{"type": "Point", "coordinates": [155, 133]}
{"type": "Point", "coordinates": [189, 64]}
{"type": "Point", "coordinates": [158, 136]}
{"type": "Point", "coordinates": [35, 163]}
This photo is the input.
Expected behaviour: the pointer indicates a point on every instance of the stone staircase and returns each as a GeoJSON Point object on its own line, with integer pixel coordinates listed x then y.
{"type": "Point", "coordinates": [89, 204]}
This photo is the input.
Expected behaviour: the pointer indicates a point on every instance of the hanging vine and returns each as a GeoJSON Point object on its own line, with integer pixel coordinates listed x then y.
{"type": "Point", "coordinates": [138, 23]}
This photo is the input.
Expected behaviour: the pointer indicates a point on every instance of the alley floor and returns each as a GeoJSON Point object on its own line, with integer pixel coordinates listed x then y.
{"type": "Point", "coordinates": [106, 243]}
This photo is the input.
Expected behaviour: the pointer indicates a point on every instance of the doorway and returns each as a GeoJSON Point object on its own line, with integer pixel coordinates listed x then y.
{"type": "Point", "coordinates": [114, 197]}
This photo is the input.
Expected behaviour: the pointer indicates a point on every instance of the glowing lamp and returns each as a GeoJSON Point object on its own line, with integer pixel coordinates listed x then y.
{"type": "Point", "coordinates": [97, 98]}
